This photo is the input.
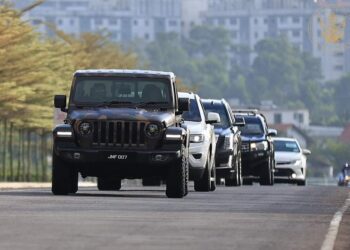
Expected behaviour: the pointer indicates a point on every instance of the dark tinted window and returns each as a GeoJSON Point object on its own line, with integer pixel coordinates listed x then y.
{"type": "Point", "coordinates": [221, 110]}
{"type": "Point", "coordinates": [193, 114]}
{"type": "Point", "coordinates": [286, 146]}
{"type": "Point", "coordinates": [121, 89]}
{"type": "Point", "coordinates": [252, 126]}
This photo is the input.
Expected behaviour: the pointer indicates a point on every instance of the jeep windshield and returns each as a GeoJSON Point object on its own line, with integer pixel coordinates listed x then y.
{"type": "Point", "coordinates": [109, 91]}
{"type": "Point", "coordinates": [252, 127]}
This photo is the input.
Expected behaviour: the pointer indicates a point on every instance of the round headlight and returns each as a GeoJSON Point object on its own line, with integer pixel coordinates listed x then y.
{"type": "Point", "coordinates": [85, 128]}
{"type": "Point", "coordinates": [152, 130]}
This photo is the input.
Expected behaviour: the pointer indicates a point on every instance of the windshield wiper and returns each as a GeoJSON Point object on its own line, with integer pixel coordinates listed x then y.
{"type": "Point", "coordinates": [106, 104]}
{"type": "Point", "coordinates": [143, 104]}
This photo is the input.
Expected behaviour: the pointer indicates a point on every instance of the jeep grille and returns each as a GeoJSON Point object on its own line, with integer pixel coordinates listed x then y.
{"type": "Point", "coordinates": [119, 133]}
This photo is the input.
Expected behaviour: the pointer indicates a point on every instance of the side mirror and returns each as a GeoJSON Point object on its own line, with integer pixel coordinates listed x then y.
{"type": "Point", "coordinates": [306, 152]}
{"type": "Point", "coordinates": [61, 102]}
{"type": "Point", "coordinates": [239, 121]}
{"type": "Point", "coordinates": [271, 132]}
{"type": "Point", "coordinates": [184, 105]}
{"type": "Point", "coordinates": [213, 118]}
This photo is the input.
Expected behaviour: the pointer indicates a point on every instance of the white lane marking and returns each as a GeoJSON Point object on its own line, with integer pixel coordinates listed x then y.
{"type": "Point", "coordinates": [328, 243]}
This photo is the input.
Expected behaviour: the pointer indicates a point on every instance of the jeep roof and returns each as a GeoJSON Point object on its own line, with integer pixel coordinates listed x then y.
{"type": "Point", "coordinates": [123, 72]}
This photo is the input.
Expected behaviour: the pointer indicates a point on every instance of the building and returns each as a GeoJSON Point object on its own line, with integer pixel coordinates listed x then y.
{"type": "Point", "coordinates": [251, 21]}
{"type": "Point", "coordinates": [123, 20]}
{"type": "Point", "coordinates": [297, 117]}
{"type": "Point", "coordinates": [320, 27]}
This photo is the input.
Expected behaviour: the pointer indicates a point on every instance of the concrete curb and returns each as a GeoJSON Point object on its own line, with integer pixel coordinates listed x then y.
{"type": "Point", "coordinates": [28, 185]}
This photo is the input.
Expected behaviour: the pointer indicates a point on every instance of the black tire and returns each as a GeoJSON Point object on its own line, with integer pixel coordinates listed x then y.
{"type": "Point", "coordinates": [247, 182]}
{"type": "Point", "coordinates": [234, 179]}
{"type": "Point", "coordinates": [266, 175]}
{"type": "Point", "coordinates": [177, 178]}
{"type": "Point", "coordinates": [240, 177]}
{"type": "Point", "coordinates": [151, 181]}
{"type": "Point", "coordinates": [64, 177]}
{"type": "Point", "coordinates": [301, 183]}
{"type": "Point", "coordinates": [213, 177]}
{"type": "Point", "coordinates": [109, 184]}
{"type": "Point", "coordinates": [204, 183]}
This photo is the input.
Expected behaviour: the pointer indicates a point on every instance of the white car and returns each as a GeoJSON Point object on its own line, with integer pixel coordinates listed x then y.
{"type": "Point", "coordinates": [202, 143]}
{"type": "Point", "coordinates": [290, 161]}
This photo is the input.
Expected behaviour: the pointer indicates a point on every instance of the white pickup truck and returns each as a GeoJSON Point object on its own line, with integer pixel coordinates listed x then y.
{"type": "Point", "coordinates": [202, 143]}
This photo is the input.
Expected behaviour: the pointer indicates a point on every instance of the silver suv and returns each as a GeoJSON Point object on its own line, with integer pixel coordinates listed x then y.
{"type": "Point", "coordinates": [202, 143]}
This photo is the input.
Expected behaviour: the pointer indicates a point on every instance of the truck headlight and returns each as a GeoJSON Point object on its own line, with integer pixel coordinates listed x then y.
{"type": "Point", "coordinates": [296, 162]}
{"type": "Point", "coordinates": [152, 130]}
{"type": "Point", "coordinates": [259, 146]}
{"type": "Point", "coordinates": [85, 128]}
{"type": "Point", "coordinates": [197, 138]}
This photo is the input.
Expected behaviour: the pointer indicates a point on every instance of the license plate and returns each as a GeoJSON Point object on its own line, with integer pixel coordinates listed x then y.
{"type": "Point", "coordinates": [117, 156]}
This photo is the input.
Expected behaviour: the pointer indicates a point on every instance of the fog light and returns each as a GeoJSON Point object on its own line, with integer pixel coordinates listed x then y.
{"type": "Point", "coordinates": [294, 176]}
{"type": "Point", "coordinates": [76, 156]}
{"type": "Point", "coordinates": [160, 157]}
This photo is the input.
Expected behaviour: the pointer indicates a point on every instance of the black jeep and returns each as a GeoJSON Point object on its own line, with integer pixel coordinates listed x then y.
{"type": "Point", "coordinates": [121, 124]}
{"type": "Point", "coordinates": [258, 155]}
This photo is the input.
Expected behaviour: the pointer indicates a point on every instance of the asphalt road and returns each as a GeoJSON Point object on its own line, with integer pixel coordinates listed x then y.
{"type": "Point", "coordinates": [279, 217]}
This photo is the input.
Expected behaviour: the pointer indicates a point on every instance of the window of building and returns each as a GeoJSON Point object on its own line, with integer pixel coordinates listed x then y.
{"type": "Point", "coordinates": [295, 19]}
{"type": "Point", "coordinates": [339, 67]}
{"type": "Point", "coordinates": [146, 36]}
{"type": "Point", "coordinates": [136, 22]}
{"type": "Point", "coordinates": [256, 35]}
{"type": "Point", "coordinates": [36, 22]}
{"type": "Point", "coordinates": [98, 21]}
{"type": "Point", "coordinates": [59, 21]}
{"type": "Point", "coordinates": [339, 54]}
{"type": "Point", "coordinates": [296, 33]}
{"type": "Point", "coordinates": [255, 20]}
{"type": "Point", "coordinates": [71, 22]}
{"type": "Point", "coordinates": [282, 19]}
{"type": "Point", "coordinates": [146, 22]}
{"type": "Point", "coordinates": [277, 118]}
{"type": "Point", "coordinates": [113, 21]}
{"type": "Point", "coordinates": [221, 21]}
{"type": "Point", "coordinates": [172, 23]}
{"type": "Point", "coordinates": [233, 21]}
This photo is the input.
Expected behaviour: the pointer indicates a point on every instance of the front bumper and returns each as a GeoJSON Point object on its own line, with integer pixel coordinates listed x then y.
{"type": "Point", "coordinates": [223, 162]}
{"type": "Point", "coordinates": [117, 156]}
{"type": "Point", "coordinates": [252, 162]}
{"type": "Point", "coordinates": [289, 173]}
{"type": "Point", "coordinates": [198, 154]}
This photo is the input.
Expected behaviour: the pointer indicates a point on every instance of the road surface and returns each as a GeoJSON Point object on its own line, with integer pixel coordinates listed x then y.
{"type": "Point", "coordinates": [279, 217]}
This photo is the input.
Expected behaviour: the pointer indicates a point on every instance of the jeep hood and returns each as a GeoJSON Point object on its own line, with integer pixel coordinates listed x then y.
{"type": "Point", "coordinates": [127, 114]}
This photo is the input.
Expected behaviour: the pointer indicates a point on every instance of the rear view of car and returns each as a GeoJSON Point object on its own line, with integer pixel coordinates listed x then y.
{"type": "Point", "coordinates": [290, 161]}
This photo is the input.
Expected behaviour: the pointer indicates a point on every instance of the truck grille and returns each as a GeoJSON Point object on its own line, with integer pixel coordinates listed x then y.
{"type": "Point", "coordinates": [245, 147]}
{"type": "Point", "coordinates": [119, 133]}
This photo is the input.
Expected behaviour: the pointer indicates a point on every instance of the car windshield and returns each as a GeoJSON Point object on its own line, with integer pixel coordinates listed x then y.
{"type": "Point", "coordinates": [121, 90]}
{"type": "Point", "coordinates": [221, 110]}
{"type": "Point", "coordinates": [286, 146]}
{"type": "Point", "coordinates": [252, 127]}
{"type": "Point", "coordinates": [193, 115]}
